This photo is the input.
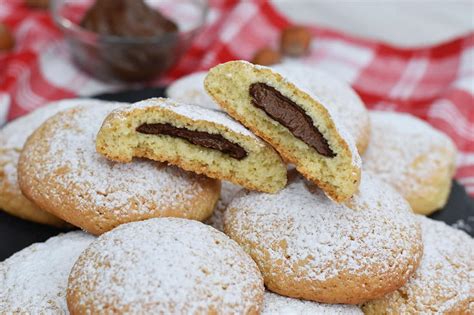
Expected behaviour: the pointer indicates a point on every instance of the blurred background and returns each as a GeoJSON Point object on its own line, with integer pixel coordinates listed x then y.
{"type": "Point", "coordinates": [403, 23]}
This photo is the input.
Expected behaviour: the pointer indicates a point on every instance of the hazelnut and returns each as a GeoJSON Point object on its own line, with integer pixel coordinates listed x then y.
{"type": "Point", "coordinates": [266, 57]}
{"type": "Point", "coordinates": [295, 41]}
{"type": "Point", "coordinates": [39, 4]}
{"type": "Point", "coordinates": [6, 38]}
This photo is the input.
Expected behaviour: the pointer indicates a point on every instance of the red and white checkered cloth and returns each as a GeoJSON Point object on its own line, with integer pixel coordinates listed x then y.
{"type": "Point", "coordinates": [433, 83]}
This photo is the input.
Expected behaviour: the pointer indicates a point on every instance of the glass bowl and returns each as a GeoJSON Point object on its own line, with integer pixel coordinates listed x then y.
{"type": "Point", "coordinates": [117, 58]}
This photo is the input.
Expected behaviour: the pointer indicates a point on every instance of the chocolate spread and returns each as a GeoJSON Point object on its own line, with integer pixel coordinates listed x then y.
{"type": "Point", "coordinates": [126, 18]}
{"type": "Point", "coordinates": [144, 44]}
{"type": "Point", "coordinates": [207, 140]}
{"type": "Point", "coordinates": [290, 115]}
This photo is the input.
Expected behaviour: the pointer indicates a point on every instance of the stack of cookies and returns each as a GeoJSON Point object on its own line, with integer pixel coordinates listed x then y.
{"type": "Point", "coordinates": [295, 221]}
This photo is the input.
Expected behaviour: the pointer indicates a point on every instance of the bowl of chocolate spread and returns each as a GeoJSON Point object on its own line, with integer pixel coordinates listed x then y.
{"type": "Point", "coordinates": [128, 40]}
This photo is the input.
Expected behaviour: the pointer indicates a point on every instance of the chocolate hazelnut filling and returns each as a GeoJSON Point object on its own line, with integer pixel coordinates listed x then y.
{"type": "Point", "coordinates": [207, 140]}
{"type": "Point", "coordinates": [126, 18]}
{"type": "Point", "coordinates": [290, 115]}
{"type": "Point", "coordinates": [135, 43]}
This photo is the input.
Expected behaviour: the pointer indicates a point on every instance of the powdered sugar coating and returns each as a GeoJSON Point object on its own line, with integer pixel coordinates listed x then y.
{"type": "Point", "coordinates": [34, 280]}
{"type": "Point", "coordinates": [374, 220]}
{"type": "Point", "coordinates": [281, 305]}
{"type": "Point", "coordinates": [167, 265]}
{"type": "Point", "coordinates": [15, 133]}
{"type": "Point", "coordinates": [300, 235]}
{"type": "Point", "coordinates": [444, 279]}
{"type": "Point", "coordinates": [190, 90]}
{"type": "Point", "coordinates": [399, 139]}
{"type": "Point", "coordinates": [192, 112]}
{"type": "Point", "coordinates": [105, 193]}
{"type": "Point", "coordinates": [407, 153]}
{"type": "Point", "coordinates": [13, 136]}
{"type": "Point", "coordinates": [338, 96]}
{"type": "Point", "coordinates": [228, 191]}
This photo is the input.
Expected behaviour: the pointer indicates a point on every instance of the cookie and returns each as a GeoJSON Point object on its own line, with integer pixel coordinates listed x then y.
{"type": "Point", "coordinates": [61, 172]}
{"type": "Point", "coordinates": [190, 90]}
{"type": "Point", "coordinates": [444, 282]}
{"type": "Point", "coordinates": [275, 304]}
{"type": "Point", "coordinates": [294, 121]}
{"type": "Point", "coordinates": [34, 280]}
{"type": "Point", "coordinates": [228, 191]}
{"type": "Point", "coordinates": [195, 139]}
{"type": "Point", "coordinates": [309, 247]}
{"type": "Point", "coordinates": [337, 95]}
{"type": "Point", "coordinates": [12, 138]}
{"type": "Point", "coordinates": [163, 266]}
{"type": "Point", "coordinates": [413, 157]}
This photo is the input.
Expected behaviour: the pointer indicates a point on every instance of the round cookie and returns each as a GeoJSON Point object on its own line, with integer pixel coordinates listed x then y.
{"type": "Point", "coordinates": [337, 95]}
{"type": "Point", "coordinates": [190, 90]}
{"type": "Point", "coordinates": [444, 281]}
{"type": "Point", "coordinates": [60, 171]}
{"type": "Point", "coordinates": [228, 191]}
{"type": "Point", "coordinates": [309, 247]}
{"type": "Point", "coordinates": [163, 266]}
{"type": "Point", "coordinates": [275, 304]}
{"type": "Point", "coordinates": [34, 280]}
{"type": "Point", "coordinates": [413, 157]}
{"type": "Point", "coordinates": [12, 138]}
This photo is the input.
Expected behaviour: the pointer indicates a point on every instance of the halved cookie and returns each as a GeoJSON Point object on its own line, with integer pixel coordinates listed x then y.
{"type": "Point", "coordinates": [194, 138]}
{"type": "Point", "coordinates": [294, 121]}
